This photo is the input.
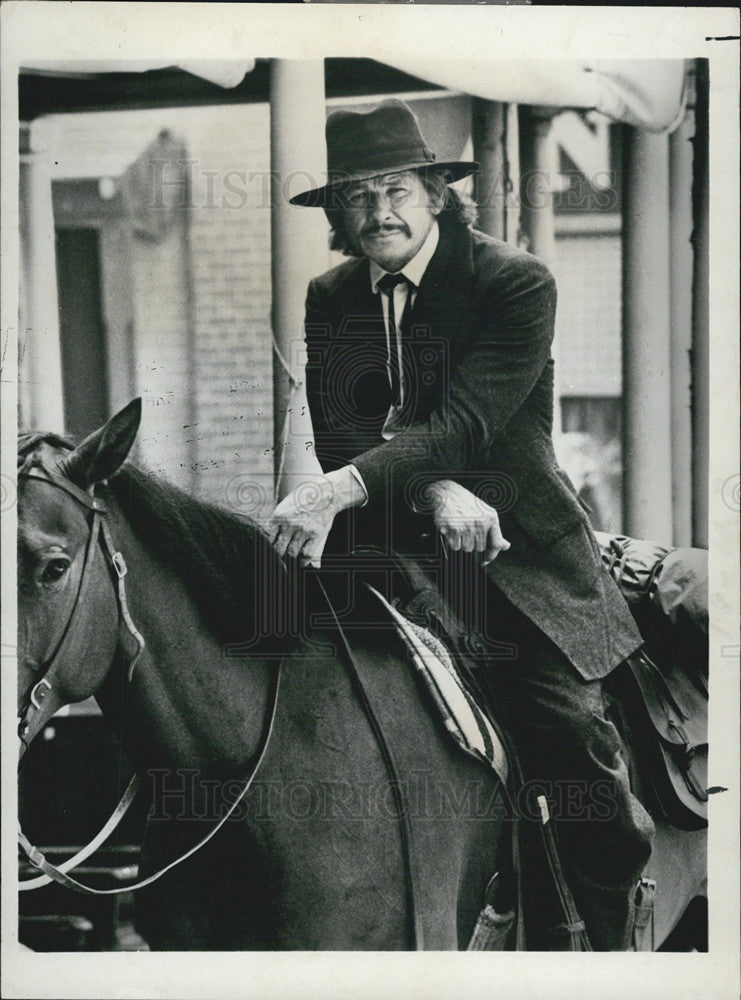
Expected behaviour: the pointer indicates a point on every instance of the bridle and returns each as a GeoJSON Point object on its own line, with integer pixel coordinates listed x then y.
{"type": "Point", "coordinates": [100, 532]}
{"type": "Point", "coordinates": [44, 687]}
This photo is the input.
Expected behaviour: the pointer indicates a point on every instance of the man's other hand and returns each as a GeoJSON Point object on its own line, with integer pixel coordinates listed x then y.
{"type": "Point", "coordinates": [465, 521]}
{"type": "Point", "coordinates": [301, 522]}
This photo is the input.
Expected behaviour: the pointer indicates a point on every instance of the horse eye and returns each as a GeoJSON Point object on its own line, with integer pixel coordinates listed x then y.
{"type": "Point", "coordinates": [54, 570]}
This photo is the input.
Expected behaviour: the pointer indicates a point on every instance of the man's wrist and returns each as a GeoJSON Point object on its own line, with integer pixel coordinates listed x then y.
{"type": "Point", "coordinates": [347, 490]}
{"type": "Point", "coordinates": [436, 491]}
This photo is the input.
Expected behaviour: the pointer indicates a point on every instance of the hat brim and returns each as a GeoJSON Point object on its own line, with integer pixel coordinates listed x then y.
{"type": "Point", "coordinates": [454, 170]}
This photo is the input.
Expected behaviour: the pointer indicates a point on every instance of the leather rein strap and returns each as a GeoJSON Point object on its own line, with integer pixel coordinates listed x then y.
{"type": "Point", "coordinates": [405, 828]}
{"type": "Point", "coordinates": [71, 863]}
{"type": "Point", "coordinates": [58, 875]}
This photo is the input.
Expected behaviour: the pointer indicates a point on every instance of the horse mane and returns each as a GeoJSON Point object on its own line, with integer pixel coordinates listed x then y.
{"type": "Point", "coordinates": [246, 597]}
{"type": "Point", "coordinates": [226, 563]}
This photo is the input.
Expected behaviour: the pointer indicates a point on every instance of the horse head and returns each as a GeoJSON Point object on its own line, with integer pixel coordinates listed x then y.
{"type": "Point", "coordinates": [68, 610]}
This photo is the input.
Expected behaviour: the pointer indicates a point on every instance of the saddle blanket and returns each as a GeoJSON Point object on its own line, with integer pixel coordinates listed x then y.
{"type": "Point", "coordinates": [461, 716]}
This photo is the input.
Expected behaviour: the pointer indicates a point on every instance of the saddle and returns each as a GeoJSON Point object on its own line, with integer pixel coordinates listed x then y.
{"type": "Point", "coordinates": [466, 705]}
{"type": "Point", "coordinates": [660, 694]}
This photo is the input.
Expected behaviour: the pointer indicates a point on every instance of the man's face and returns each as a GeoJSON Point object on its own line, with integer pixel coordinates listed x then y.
{"type": "Point", "coordinates": [388, 218]}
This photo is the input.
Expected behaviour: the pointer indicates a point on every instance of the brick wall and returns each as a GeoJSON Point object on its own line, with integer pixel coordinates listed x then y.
{"type": "Point", "coordinates": [230, 282]}
{"type": "Point", "coordinates": [201, 309]}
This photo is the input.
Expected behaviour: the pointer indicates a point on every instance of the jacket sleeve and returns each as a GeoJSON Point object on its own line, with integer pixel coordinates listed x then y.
{"type": "Point", "coordinates": [494, 376]}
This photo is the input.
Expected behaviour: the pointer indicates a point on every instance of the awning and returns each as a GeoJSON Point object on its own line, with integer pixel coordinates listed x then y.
{"type": "Point", "coordinates": [224, 72]}
{"type": "Point", "coordinates": [647, 93]}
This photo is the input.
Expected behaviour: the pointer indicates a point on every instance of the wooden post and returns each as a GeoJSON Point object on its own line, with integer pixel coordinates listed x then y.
{"type": "Point", "coordinates": [299, 252]}
{"type": "Point", "coordinates": [647, 480]}
{"type": "Point", "coordinates": [490, 186]}
{"type": "Point", "coordinates": [513, 222]}
{"type": "Point", "coordinates": [539, 167]}
{"type": "Point", "coordinates": [537, 182]}
{"type": "Point", "coordinates": [700, 320]}
{"type": "Point", "coordinates": [42, 394]}
{"type": "Point", "coordinates": [681, 262]}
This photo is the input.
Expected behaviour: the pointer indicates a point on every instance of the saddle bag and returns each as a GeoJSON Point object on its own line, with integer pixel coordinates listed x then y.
{"type": "Point", "coordinates": [662, 688]}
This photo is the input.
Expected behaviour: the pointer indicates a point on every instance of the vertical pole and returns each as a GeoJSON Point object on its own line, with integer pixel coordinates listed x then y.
{"type": "Point", "coordinates": [539, 167]}
{"type": "Point", "coordinates": [700, 320]}
{"type": "Point", "coordinates": [647, 481]}
{"type": "Point", "coordinates": [298, 253]}
{"type": "Point", "coordinates": [512, 221]}
{"type": "Point", "coordinates": [538, 179]}
{"type": "Point", "coordinates": [680, 262]}
{"type": "Point", "coordinates": [489, 131]}
{"type": "Point", "coordinates": [43, 394]}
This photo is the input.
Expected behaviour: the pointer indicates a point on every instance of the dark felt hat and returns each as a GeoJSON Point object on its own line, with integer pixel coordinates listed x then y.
{"type": "Point", "coordinates": [368, 144]}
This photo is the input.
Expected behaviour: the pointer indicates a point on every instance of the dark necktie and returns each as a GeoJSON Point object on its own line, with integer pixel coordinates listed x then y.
{"type": "Point", "coordinates": [387, 284]}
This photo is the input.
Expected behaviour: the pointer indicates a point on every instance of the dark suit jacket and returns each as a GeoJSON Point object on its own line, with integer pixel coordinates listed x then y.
{"type": "Point", "coordinates": [479, 404]}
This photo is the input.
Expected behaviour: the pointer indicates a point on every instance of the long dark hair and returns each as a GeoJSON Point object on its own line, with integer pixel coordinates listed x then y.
{"type": "Point", "coordinates": [459, 209]}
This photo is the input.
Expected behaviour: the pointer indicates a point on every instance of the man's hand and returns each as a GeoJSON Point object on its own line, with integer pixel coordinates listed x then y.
{"type": "Point", "coordinates": [301, 522]}
{"type": "Point", "coordinates": [465, 521]}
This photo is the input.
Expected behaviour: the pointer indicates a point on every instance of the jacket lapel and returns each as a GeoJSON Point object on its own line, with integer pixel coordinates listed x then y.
{"type": "Point", "coordinates": [355, 302]}
{"type": "Point", "coordinates": [446, 291]}
{"type": "Point", "coordinates": [356, 357]}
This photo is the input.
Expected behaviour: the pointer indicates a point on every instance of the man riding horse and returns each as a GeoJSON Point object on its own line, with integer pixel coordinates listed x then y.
{"type": "Point", "coordinates": [430, 386]}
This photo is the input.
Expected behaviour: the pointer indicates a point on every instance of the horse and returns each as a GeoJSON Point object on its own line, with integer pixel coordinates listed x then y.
{"type": "Point", "coordinates": [343, 816]}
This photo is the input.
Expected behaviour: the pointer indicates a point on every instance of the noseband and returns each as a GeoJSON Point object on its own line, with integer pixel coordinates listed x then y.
{"type": "Point", "coordinates": [98, 531]}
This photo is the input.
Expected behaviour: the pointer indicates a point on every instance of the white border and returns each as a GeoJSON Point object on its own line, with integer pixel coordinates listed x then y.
{"type": "Point", "coordinates": [232, 31]}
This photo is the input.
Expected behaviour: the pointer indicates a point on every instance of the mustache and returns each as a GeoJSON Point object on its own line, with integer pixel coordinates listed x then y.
{"type": "Point", "coordinates": [373, 229]}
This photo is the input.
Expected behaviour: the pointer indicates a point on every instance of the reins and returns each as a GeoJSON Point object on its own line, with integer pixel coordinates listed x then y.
{"type": "Point", "coordinates": [59, 875]}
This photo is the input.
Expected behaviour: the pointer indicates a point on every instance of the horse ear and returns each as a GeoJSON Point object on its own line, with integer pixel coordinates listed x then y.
{"type": "Point", "coordinates": [105, 450]}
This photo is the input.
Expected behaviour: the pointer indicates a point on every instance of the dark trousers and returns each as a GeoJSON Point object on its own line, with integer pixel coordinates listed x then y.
{"type": "Point", "coordinates": [569, 750]}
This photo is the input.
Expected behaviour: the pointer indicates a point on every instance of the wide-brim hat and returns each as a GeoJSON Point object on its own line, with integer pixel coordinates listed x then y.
{"type": "Point", "coordinates": [368, 144]}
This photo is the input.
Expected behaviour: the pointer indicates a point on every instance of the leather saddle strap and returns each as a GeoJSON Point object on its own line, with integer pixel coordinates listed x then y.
{"type": "Point", "coordinates": [405, 829]}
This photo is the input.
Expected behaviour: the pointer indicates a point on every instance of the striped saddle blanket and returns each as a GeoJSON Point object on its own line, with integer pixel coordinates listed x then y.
{"type": "Point", "coordinates": [466, 723]}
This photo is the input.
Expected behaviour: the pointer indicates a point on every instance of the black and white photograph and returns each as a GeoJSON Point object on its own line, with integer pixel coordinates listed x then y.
{"type": "Point", "coordinates": [370, 556]}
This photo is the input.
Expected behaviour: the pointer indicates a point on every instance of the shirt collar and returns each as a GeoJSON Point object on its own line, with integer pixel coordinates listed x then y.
{"type": "Point", "coordinates": [415, 269]}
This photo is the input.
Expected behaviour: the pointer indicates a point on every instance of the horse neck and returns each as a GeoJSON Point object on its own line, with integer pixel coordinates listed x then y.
{"type": "Point", "coordinates": [189, 704]}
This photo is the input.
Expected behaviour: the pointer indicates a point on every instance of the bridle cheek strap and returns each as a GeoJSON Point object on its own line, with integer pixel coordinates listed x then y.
{"type": "Point", "coordinates": [118, 563]}
{"type": "Point", "coordinates": [44, 688]}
